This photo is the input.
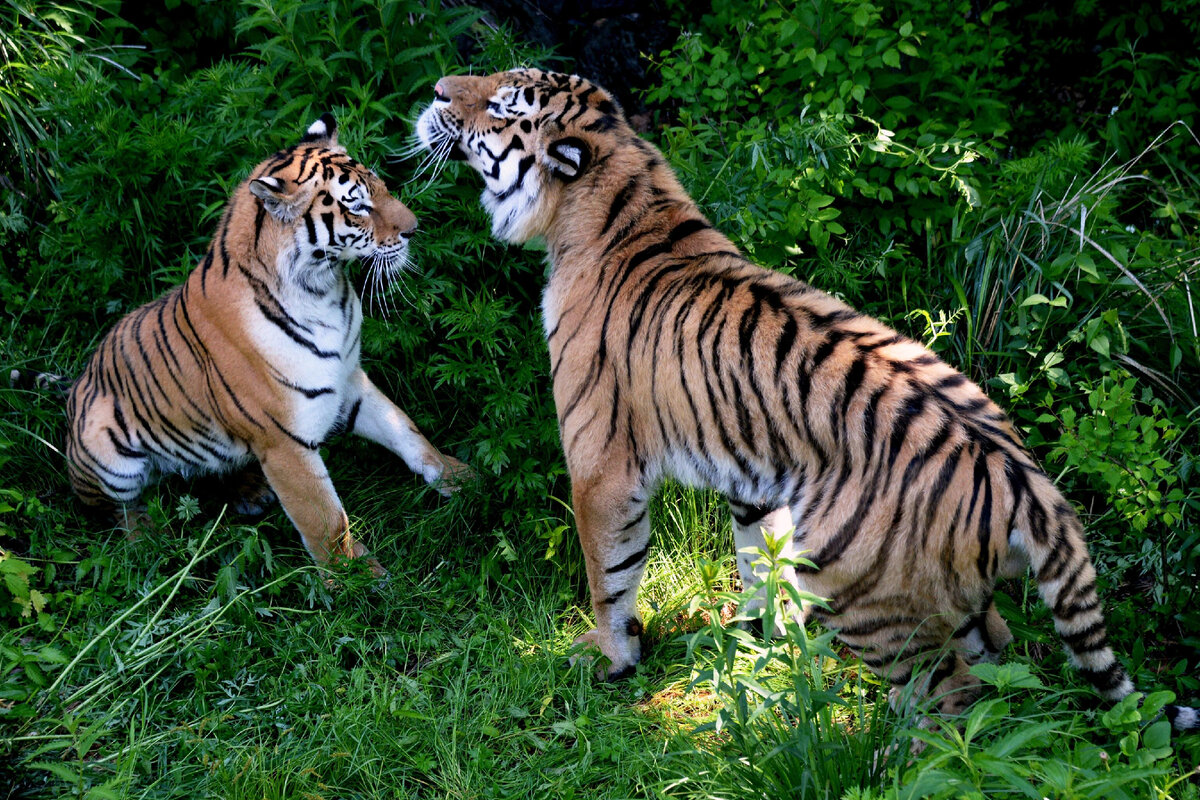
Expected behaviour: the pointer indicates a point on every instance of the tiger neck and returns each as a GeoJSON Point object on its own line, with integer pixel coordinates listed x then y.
{"type": "Point", "coordinates": [631, 193]}
{"type": "Point", "coordinates": [264, 254]}
{"type": "Point", "coordinates": [635, 209]}
{"type": "Point", "coordinates": [614, 224]}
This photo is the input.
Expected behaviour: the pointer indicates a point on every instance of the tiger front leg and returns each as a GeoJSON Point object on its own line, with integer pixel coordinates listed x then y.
{"type": "Point", "coordinates": [299, 478]}
{"type": "Point", "coordinates": [614, 531]}
{"type": "Point", "coordinates": [382, 421]}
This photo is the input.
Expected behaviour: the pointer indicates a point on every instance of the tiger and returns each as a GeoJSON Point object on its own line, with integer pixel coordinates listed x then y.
{"type": "Point", "coordinates": [672, 356]}
{"type": "Point", "coordinates": [252, 363]}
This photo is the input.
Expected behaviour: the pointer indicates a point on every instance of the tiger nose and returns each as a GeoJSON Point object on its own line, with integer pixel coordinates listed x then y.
{"type": "Point", "coordinates": [439, 92]}
{"type": "Point", "coordinates": [408, 225]}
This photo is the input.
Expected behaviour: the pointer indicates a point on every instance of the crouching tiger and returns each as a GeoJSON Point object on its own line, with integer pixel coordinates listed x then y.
{"type": "Point", "coordinates": [673, 356]}
{"type": "Point", "coordinates": [256, 355]}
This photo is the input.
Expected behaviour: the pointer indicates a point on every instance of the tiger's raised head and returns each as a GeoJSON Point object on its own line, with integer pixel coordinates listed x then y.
{"type": "Point", "coordinates": [534, 136]}
{"type": "Point", "coordinates": [319, 208]}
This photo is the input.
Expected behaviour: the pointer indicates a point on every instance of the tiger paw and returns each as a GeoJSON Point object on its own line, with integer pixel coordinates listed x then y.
{"type": "Point", "coordinates": [588, 649]}
{"type": "Point", "coordinates": [356, 549]}
{"type": "Point", "coordinates": [253, 496]}
{"type": "Point", "coordinates": [135, 521]}
{"type": "Point", "coordinates": [453, 475]}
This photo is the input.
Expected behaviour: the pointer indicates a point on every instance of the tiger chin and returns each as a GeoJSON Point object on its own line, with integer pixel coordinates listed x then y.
{"type": "Point", "coordinates": [255, 357]}
{"type": "Point", "coordinates": [673, 356]}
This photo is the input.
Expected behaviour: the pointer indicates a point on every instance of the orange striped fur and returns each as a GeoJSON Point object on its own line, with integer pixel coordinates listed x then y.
{"type": "Point", "coordinates": [255, 357]}
{"type": "Point", "coordinates": [673, 356]}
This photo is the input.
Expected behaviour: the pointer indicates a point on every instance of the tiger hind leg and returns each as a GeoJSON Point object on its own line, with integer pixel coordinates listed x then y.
{"type": "Point", "coordinates": [108, 471]}
{"type": "Point", "coordinates": [941, 681]}
{"type": "Point", "coordinates": [983, 636]}
{"type": "Point", "coordinates": [946, 687]}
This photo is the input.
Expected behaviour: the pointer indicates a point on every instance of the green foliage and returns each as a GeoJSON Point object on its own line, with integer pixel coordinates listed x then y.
{"type": "Point", "coordinates": [785, 721]}
{"type": "Point", "coordinates": [816, 121]}
{"type": "Point", "coordinates": [34, 38]}
{"type": "Point", "coordinates": [23, 595]}
{"type": "Point", "coordinates": [794, 721]}
{"type": "Point", "coordinates": [897, 155]}
{"type": "Point", "coordinates": [1125, 450]}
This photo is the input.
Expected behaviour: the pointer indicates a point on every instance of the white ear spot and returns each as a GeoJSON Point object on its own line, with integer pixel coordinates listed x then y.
{"type": "Point", "coordinates": [568, 157]}
{"type": "Point", "coordinates": [271, 183]}
{"type": "Point", "coordinates": [317, 130]}
{"type": "Point", "coordinates": [323, 130]}
{"type": "Point", "coordinates": [569, 152]}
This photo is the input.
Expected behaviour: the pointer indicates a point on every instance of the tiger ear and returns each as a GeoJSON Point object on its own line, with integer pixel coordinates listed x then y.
{"type": "Point", "coordinates": [323, 131]}
{"type": "Point", "coordinates": [278, 196]}
{"type": "Point", "coordinates": [568, 157]}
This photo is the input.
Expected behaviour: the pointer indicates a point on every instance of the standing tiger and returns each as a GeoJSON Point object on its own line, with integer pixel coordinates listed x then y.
{"type": "Point", "coordinates": [256, 355]}
{"type": "Point", "coordinates": [673, 356]}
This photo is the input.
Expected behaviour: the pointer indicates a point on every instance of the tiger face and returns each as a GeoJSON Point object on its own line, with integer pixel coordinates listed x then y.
{"type": "Point", "coordinates": [527, 132]}
{"type": "Point", "coordinates": [333, 209]}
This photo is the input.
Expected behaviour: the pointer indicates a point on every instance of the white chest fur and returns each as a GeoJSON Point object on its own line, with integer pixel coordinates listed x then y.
{"type": "Point", "coordinates": [311, 345]}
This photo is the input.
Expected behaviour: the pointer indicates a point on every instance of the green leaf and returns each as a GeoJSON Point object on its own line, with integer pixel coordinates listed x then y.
{"type": "Point", "coordinates": [52, 655]}
{"type": "Point", "coordinates": [1010, 675]}
{"type": "Point", "coordinates": [60, 771]}
{"type": "Point", "coordinates": [1158, 736]}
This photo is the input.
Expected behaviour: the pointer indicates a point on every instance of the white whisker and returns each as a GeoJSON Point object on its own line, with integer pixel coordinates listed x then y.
{"type": "Point", "coordinates": [383, 269]}
{"type": "Point", "coordinates": [435, 162]}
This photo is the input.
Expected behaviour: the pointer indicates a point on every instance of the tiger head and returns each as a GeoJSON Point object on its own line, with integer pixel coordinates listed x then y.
{"type": "Point", "coordinates": [319, 208]}
{"type": "Point", "coordinates": [531, 134]}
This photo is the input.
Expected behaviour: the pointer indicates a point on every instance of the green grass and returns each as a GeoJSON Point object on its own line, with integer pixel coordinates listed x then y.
{"type": "Point", "coordinates": [211, 659]}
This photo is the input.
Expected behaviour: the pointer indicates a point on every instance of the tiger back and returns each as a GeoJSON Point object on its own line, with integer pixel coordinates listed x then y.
{"type": "Point", "coordinates": [673, 356]}
{"type": "Point", "coordinates": [255, 356]}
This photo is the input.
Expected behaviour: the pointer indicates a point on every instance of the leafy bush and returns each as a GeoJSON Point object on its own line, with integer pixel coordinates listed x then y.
{"type": "Point", "coordinates": [784, 719]}
{"type": "Point", "coordinates": [33, 40]}
{"type": "Point", "coordinates": [816, 119]}
{"type": "Point", "coordinates": [896, 155]}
